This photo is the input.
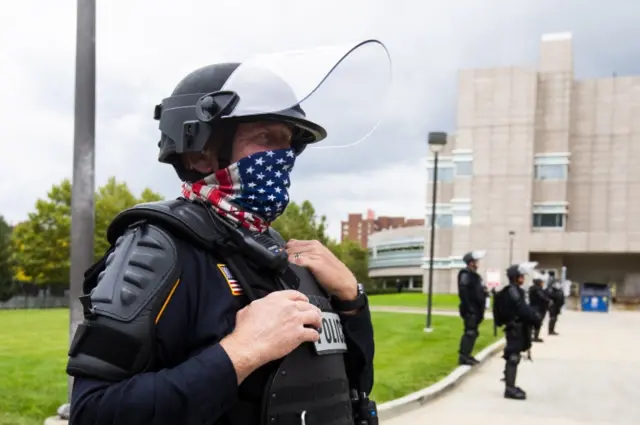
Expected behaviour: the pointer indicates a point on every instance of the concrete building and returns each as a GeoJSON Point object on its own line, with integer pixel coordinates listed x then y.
{"type": "Point", "coordinates": [358, 228]}
{"type": "Point", "coordinates": [396, 256]}
{"type": "Point", "coordinates": [551, 159]}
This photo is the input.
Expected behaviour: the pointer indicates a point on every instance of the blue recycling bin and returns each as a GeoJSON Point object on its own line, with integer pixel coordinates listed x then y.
{"type": "Point", "coordinates": [595, 297]}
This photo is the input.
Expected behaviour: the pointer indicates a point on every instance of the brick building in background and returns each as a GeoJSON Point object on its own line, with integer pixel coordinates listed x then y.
{"type": "Point", "coordinates": [358, 228]}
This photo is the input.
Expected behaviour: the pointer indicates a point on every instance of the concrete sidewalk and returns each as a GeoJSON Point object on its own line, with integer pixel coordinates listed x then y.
{"type": "Point", "coordinates": [590, 374]}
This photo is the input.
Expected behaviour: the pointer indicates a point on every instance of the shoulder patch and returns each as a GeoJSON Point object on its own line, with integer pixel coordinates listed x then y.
{"type": "Point", "coordinates": [235, 287]}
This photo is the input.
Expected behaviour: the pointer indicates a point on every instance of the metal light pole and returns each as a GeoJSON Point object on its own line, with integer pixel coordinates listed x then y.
{"type": "Point", "coordinates": [82, 195]}
{"type": "Point", "coordinates": [511, 235]}
{"type": "Point", "coordinates": [436, 144]}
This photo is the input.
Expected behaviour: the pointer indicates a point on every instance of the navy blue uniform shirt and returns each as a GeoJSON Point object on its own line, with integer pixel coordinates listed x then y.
{"type": "Point", "coordinates": [196, 382]}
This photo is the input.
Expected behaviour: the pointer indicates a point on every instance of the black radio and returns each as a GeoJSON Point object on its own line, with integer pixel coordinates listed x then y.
{"type": "Point", "coordinates": [365, 411]}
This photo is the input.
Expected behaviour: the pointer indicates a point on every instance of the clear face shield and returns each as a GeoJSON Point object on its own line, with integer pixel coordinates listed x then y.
{"type": "Point", "coordinates": [336, 93]}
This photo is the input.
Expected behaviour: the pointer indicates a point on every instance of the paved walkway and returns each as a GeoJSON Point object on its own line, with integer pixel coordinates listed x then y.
{"type": "Point", "coordinates": [589, 375]}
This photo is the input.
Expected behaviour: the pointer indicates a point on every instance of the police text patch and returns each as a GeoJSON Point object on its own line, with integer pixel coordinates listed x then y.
{"type": "Point", "coordinates": [235, 287]}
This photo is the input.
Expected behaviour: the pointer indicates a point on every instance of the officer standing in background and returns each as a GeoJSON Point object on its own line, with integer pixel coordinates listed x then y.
{"type": "Point", "coordinates": [473, 297]}
{"type": "Point", "coordinates": [512, 311]}
{"type": "Point", "coordinates": [555, 292]}
{"type": "Point", "coordinates": [200, 313]}
{"type": "Point", "coordinates": [540, 301]}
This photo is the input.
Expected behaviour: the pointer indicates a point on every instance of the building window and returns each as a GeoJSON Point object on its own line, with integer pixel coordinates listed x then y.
{"type": "Point", "coordinates": [550, 215]}
{"type": "Point", "coordinates": [443, 263]}
{"type": "Point", "coordinates": [446, 169]}
{"type": "Point", "coordinates": [551, 166]}
{"type": "Point", "coordinates": [463, 162]}
{"type": "Point", "coordinates": [445, 173]}
{"type": "Point", "coordinates": [548, 220]}
{"type": "Point", "coordinates": [461, 212]}
{"type": "Point", "coordinates": [444, 216]}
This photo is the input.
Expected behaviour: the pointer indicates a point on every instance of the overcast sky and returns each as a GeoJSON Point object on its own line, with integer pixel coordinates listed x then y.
{"type": "Point", "coordinates": [144, 47]}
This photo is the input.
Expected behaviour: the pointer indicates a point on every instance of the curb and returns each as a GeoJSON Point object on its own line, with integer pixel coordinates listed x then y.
{"type": "Point", "coordinates": [419, 398]}
{"type": "Point", "coordinates": [55, 420]}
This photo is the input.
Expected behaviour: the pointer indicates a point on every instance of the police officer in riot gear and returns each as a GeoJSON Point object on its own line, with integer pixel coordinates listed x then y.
{"type": "Point", "coordinates": [472, 305]}
{"type": "Point", "coordinates": [200, 313]}
{"type": "Point", "coordinates": [556, 294]}
{"type": "Point", "coordinates": [540, 302]}
{"type": "Point", "coordinates": [512, 311]}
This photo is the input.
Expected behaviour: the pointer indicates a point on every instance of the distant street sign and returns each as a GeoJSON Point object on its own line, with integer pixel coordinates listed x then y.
{"type": "Point", "coordinates": [493, 278]}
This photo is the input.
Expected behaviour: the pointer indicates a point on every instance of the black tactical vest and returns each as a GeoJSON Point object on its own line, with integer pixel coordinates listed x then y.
{"type": "Point", "coordinates": [307, 387]}
{"type": "Point", "coordinates": [310, 385]}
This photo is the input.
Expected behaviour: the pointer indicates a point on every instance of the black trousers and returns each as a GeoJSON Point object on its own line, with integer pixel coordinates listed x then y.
{"type": "Point", "coordinates": [536, 329]}
{"type": "Point", "coordinates": [470, 334]}
{"type": "Point", "coordinates": [514, 346]}
{"type": "Point", "coordinates": [553, 319]}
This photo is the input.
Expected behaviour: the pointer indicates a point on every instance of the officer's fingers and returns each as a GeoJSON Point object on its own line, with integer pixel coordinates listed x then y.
{"type": "Point", "coordinates": [311, 318]}
{"type": "Point", "coordinates": [292, 295]}
{"type": "Point", "coordinates": [293, 250]}
{"type": "Point", "coordinates": [305, 260]}
{"type": "Point", "coordinates": [310, 335]}
{"type": "Point", "coordinates": [297, 244]}
{"type": "Point", "coordinates": [306, 306]}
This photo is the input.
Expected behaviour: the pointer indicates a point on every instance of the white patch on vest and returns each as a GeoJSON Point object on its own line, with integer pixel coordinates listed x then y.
{"type": "Point", "coordinates": [235, 287]}
{"type": "Point", "coordinates": [332, 339]}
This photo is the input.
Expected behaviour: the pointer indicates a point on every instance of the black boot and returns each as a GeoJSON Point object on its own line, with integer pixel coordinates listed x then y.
{"type": "Point", "coordinates": [552, 326]}
{"type": "Point", "coordinates": [467, 360]}
{"type": "Point", "coordinates": [515, 393]}
{"type": "Point", "coordinates": [511, 391]}
{"type": "Point", "coordinates": [536, 335]}
{"type": "Point", "coordinates": [466, 347]}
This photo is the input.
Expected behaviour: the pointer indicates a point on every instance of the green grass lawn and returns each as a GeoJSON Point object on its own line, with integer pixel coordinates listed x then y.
{"type": "Point", "coordinates": [416, 299]}
{"type": "Point", "coordinates": [33, 347]}
{"type": "Point", "coordinates": [408, 359]}
{"type": "Point", "coordinates": [33, 355]}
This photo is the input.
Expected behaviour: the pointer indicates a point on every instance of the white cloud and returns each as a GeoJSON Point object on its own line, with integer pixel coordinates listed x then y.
{"type": "Point", "coordinates": [397, 189]}
{"type": "Point", "coordinates": [145, 47]}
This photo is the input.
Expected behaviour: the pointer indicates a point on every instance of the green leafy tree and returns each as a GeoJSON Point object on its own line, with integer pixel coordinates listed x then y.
{"type": "Point", "coordinates": [112, 198]}
{"type": "Point", "coordinates": [301, 222]}
{"type": "Point", "coordinates": [41, 244]}
{"type": "Point", "coordinates": [7, 286]}
{"type": "Point", "coordinates": [355, 258]}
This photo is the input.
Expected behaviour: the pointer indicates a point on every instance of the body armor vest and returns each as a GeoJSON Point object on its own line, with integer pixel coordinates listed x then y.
{"type": "Point", "coordinates": [307, 387]}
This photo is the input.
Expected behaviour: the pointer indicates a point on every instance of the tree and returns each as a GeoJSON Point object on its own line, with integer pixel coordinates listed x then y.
{"type": "Point", "coordinates": [112, 198]}
{"type": "Point", "coordinates": [41, 244]}
{"type": "Point", "coordinates": [301, 222]}
{"type": "Point", "coordinates": [7, 286]}
{"type": "Point", "coordinates": [354, 257]}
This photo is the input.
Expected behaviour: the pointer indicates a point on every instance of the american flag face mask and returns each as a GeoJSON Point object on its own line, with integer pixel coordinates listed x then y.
{"type": "Point", "coordinates": [252, 192]}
